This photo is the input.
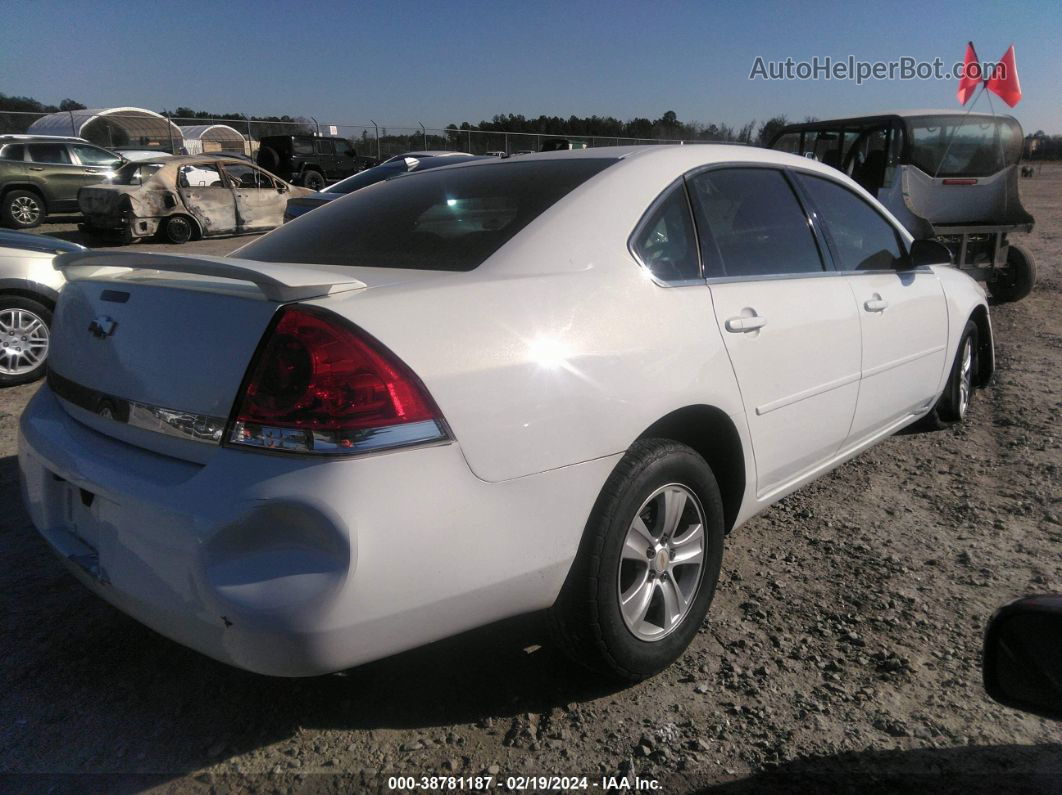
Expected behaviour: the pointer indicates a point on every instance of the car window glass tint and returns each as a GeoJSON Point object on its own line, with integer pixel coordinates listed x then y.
{"type": "Point", "coordinates": [755, 221]}
{"type": "Point", "coordinates": [324, 147]}
{"type": "Point", "coordinates": [13, 152]}
{"type": "Point", "coordinates": [200, 175]}
{"type": "Point", "coordinates": [441, 219]}
{"type": "Point", "coordinates": [666, 241]}
{"type": "Point", "coordinates": [861, 237]}
{"type": "Point", "coordinates": [91, 156]}
{"type": "Point", "coordinates": [302, 146]}
{"type": "Point", "coordinates": [48, 153]}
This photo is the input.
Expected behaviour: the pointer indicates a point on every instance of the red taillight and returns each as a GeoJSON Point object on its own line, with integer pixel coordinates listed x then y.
{"type": "Point", "coordinates": [318, 384]}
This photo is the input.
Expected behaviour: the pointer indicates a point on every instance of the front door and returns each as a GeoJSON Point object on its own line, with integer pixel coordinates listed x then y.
{"type": "Point", "coordinates": [207, 197]}
{"type": "Point", "coordinates": [789, 325]}
{"type": "Point", "coordinates": [902, 311]}
{"type": "Point", "coordinates": [259, 201]}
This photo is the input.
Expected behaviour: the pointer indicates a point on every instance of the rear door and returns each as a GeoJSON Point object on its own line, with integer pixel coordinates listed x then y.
{"type": "Point", "coordinates": [97, 164]}
{"type": "Point", "coordinates": [207, 197]}
{"type": "Point", "coordinates": [259, 203]}
{"type": "Point", "coordinates": [326, 156]}
{"type": "Point", "coordinates": [789, 324]}
{"type": "Point", "coordinates": [902, 311]}
{"type": "Point", "coordinates": [346, 159]}
{"type": "Point", "coordinates": [52, 167]}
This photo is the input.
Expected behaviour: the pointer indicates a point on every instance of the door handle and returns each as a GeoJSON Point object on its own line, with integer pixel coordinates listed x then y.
{"type": "Point", "coordinates": [876, 305]}
{"type": "Point", "coordinates": [36, 168]}
{"type": "Point", "coordinates": [91, 171]}
{"type": "Point", "coordinates": [742, 324]}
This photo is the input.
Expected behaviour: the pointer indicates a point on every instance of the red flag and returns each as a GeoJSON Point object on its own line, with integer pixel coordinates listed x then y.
{"type": "Point", "coordinates": [1004, 82]}
{"type": "Point", "coordinates": [971, 77]}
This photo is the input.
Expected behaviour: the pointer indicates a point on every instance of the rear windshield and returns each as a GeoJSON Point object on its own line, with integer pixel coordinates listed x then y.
{"type": "Point", "coordinates": [442, 219]}
{"type": "Point", "coordinates": [957, 146]}
{"type": "Point", "coordinates": [368, 177]}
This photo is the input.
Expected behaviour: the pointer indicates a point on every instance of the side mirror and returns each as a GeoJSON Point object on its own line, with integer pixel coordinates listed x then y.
{"type": "Point", "coordinates": [281, 188]}
{"type": "Point", "coordinates": [1023, 655]}
{"type": "Point", "coordinates": [929, 252]}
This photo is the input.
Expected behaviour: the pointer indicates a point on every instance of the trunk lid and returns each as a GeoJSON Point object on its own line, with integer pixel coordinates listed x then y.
{"type": "Point", "coordinates": [102, 200]}
{"type": "Point", "coordinates": [137, 333]}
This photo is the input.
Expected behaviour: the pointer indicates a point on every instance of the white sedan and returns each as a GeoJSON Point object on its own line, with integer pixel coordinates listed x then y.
{"type": "Point", "coordinates": [512, 385]}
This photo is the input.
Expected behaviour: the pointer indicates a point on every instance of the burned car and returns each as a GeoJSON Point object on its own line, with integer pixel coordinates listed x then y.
{"type": "Point", "coordinates": [181, 198]}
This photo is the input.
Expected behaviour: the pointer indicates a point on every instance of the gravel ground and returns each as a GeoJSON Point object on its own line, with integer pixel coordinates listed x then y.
{"type": "Point", "coordinates": [842, 650]}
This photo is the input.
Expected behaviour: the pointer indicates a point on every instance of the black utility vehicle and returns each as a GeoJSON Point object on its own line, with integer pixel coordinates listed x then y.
{"type": "Point", "coordinates": [309, 160]}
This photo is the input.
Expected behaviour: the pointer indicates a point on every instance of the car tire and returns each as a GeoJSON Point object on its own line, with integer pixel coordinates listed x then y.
{"type": "Point", "coordinates": [588, 619]}
{"type": "Point", "coordinates": [22, 209]}
{"type": "Point", "coordinates": [19, 313]}
{"type": "Point", "coordinates": [954, 403]}
{"type": "Point", "coordinates": [268, 158]}
{"type": "Point", "coordinates": [313, 180]}
{"type": "Point", "coordinates": [1018, 279]}
{"type": "Point", "coordinates": [178, 229]}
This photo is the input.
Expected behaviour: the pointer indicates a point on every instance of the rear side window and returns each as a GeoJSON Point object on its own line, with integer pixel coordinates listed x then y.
{"type": "Point", "coordinates": [442, 219]}
{"type": "Point", "coordinates": [752, 224]}
{"type": "Point", "coordinates": [325, 147]}
{"type": "Point", "coordinates": [302, 146]}
{"type": "Point", "coordinates": [666, 242]}
{"type": "Point", "coordinates": [861, 238]}
{"type": "Point", "coordinates": [48, 153]}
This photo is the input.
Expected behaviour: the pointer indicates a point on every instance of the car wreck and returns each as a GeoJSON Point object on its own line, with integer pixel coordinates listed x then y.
{"type": "Point", "coordinates": [185, 198]}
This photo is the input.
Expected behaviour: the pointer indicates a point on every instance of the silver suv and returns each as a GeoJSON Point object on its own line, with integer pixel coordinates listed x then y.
{"type": "Point", "coordinates": [29, 287]}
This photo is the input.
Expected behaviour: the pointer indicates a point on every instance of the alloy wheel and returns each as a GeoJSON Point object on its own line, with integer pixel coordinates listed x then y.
{"type": "Point", "coordinates": [25, 210]}
{"type": "Point", "coordinates": [965, 377]}
{"type": "Point", "coordinates": [23, 341]}
{"type": "Point", "coordinates": [661, 563]}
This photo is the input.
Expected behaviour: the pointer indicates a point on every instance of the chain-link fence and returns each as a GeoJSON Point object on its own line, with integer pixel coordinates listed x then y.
{"type": "Point", "coordinates": [134, 128]}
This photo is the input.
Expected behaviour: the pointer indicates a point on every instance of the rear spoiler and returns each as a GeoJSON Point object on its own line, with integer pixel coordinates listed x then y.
{"type": "Point", "coordinates": [278, 281]}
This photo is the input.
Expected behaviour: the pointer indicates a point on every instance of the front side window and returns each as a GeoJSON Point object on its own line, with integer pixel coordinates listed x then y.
{"type": "Point", "coordinates": [93, 156]}
{"type": "Point", "coordinates": [48, 153]}
{"type": "Point", "coordinates": [752, 224]}
{"type": "Point", "coordinates": [244, 176]}
{"type": "Point", "coordinates": [441, 219]}
{"type": "Point", "coordinates": [666, 242]}
{"type": "Point", "coordinates": [200, 175]}
{"type": "Point", "coordinates": [862, 239]}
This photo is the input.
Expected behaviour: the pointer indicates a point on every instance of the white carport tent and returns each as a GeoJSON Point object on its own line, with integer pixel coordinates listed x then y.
{"type": "Point", "coordinates": [137, 128]}
{"type": "Point", "coordinates": [201, 138]}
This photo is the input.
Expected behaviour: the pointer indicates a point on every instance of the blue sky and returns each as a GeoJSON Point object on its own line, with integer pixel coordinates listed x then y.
{"type": "Point", "coordinates": [401, 63]}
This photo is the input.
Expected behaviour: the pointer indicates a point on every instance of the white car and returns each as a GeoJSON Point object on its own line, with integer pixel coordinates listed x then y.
{"type": "Point", "coordinates": [29, 288]}
{"type": "Point", "coordinates": [482, 390]}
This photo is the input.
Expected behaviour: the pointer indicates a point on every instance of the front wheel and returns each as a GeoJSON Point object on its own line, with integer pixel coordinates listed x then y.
{"type": "Point", "coordinates": [647, 568]}
{"type": "Point", "coordinates": [954, 403]}
{"type": "Point", "coordinates": [24, 338]}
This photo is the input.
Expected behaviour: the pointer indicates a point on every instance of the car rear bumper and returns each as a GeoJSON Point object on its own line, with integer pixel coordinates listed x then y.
{"type": "Point", "coordinates": [292, 567]}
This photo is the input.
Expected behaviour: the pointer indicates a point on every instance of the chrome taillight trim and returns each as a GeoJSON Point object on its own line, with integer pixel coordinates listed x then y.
{"type": "Point", "coordinates": [337, 443]}
{"type": "Point", "coordinates": [186, 425]}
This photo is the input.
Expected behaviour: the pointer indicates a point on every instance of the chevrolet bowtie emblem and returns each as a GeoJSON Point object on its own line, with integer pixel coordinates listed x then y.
{"type": "Point", "coordinates": [102, 327]}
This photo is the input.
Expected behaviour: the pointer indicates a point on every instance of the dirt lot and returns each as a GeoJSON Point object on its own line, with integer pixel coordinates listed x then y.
{"type": "Point", "coordinates": [842, 651]}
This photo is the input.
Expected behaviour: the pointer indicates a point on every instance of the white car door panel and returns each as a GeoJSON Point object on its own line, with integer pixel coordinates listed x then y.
{"type": "Point", "coordinates": [904, 324]}
{"type": "Point", "coordinates": [790, 328]}
{"type": "Point", "coordinates": [902, 313]}
{"type": "Point", "coordinates": [798, 373]}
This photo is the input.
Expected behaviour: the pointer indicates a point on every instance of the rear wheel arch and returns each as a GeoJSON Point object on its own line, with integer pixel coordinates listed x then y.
{"type": "Point", "coordinates": [710, 432]}
{"type": "Point", "coordinates": [26, 186]}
